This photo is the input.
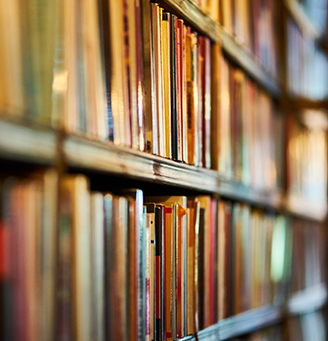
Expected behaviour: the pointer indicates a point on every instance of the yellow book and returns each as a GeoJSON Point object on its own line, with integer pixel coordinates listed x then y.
{"type": "Point", "coordinates": [227, 15]}
{"type": "Point", "coordinates": [166, 65]}
{"type": "Point", "coordinates": [11, 59]}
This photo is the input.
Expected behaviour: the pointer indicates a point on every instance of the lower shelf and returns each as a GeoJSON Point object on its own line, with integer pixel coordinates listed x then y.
{"type": "Point", "coordinates": [310, 299]}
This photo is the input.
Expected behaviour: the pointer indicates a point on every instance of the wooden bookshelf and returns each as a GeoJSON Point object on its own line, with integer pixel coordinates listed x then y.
{"type": "Point", "coordinates": [26, 143]}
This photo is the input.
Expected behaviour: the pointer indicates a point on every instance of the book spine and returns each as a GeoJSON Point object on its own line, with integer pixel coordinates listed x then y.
{"type": "Point", "coordinates": [174, 87]}
{"type": "Point", "coordinates": [158, 252]}
{"type": "Point", "coordinates": [149, 85]}
{"type": "Point", "coordinates": [157, 45]}
{"type": "Point", "coordinates": [140, 77]}
{"type": "Point", "coordinates": [142, 261]}
{"type": "Point", "coordinates": [148, 314]}
{"type": "Point", "coordinates": [184, 33]}
{"type": "Point", "coordinates": [166, 43]}
{"type": "Point", "coordinates": [207, 105]}
{"type": "Point", "coordinates": [178, 57]}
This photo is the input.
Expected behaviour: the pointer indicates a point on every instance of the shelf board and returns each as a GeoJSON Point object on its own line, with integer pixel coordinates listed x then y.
{"type": "Point", "coordinates": [107, 157]}
{"type": "Point", "coordinates": [305, 209]}
{"type": "Point", "coordinates": [249, 321]}
{"type": "Point", "coordinates": [310, 299]}
{"type": "Point", "coordinates": [39, 146]}
{"type": "Point", "coordinates": [302, 20]}
{"type": "Point", "coordinates": [28, 143]}
{"type": "Point", "coordinates": [191, 12]}
{"type": "Point", "coordinates": [235, 190]}
{"type": "Point", "coordinates": [248, 63]}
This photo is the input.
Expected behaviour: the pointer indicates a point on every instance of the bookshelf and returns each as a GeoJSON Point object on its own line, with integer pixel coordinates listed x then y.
{"type": "Point", "coordinates": [26, 145]}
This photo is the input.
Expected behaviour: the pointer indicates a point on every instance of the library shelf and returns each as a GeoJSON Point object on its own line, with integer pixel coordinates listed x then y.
{"type": "Point", "coordinates": [195, 16]}
{"type": "Point", "coordinates": [107, 157]}
{"type": "Point", "coordinates": [27, 142]}
{"type": "Point", "coordinates": [302, 20]}
{"type": "Point", "coordinates": [248, 63]}
{"type": "Point", "coordinates": [235, 190]}
{"type": "Point", "coordinates": [310, 299]}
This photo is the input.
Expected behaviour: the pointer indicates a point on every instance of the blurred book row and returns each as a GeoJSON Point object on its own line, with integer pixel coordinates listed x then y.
{"type": "Point", "coordinates": [123, 266]}
{"type": "Point", "coordinates": [307, 64]}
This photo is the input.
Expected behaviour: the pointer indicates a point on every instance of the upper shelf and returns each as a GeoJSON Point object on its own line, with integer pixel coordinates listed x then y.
{"type": "Point", "coordinates": [302, 20]}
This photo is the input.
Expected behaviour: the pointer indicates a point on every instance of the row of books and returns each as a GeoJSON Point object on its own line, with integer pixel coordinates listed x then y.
{"type": "Point", "coordinates": [307, 65]}
{"type": "Point", "coordinates": [307, 161]}
{"type": "Point", "coordinates": [122, 266]}
{"type": "Point", "coordinates": [136, 75]}
{"type": "Point", "coordinates": [253, 22]}
{"type": "Point", "coordinates": [252, 258]}
{"type": "Point", "coordinates": [178, 89]}
{"type": "Point", "coordinates": [250, 133]}
{"type": "Point", "coordinates": [308, 263]}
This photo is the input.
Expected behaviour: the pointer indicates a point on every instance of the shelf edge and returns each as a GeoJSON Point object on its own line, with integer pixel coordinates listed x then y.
{"type": "Point", "coordinates": [247, 62]}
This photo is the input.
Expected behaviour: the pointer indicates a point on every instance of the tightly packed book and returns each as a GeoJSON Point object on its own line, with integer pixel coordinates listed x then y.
{"type": "Point", "coordinates": [307, 65]}
{"type": "Point", "coordinates": [250, 132]}
{"type": "Point", "coordinates": [253, 23]}
{"type": "Point", "coordinates": [306, 174]}
{"type": "Point", "coordinates": [121, 266]}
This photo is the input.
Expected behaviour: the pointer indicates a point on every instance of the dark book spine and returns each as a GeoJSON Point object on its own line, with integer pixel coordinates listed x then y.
{"type": "Point", "coordinates": [108, 205]}
{"type": "Point", "coordinates": [6, 301]}
{"type": "Point", "coordinates": [140, 78]}
{"type": "Point", "coordinates": [64, 294]}
{"type": "Point", "coordinates": [201, 269]}
{"type": "Point", "coordinates": [106, 53]}
{"type": "Point", "coordinates": [159, 275]}
{"type": "Point", "coordinates": [174, 98]}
